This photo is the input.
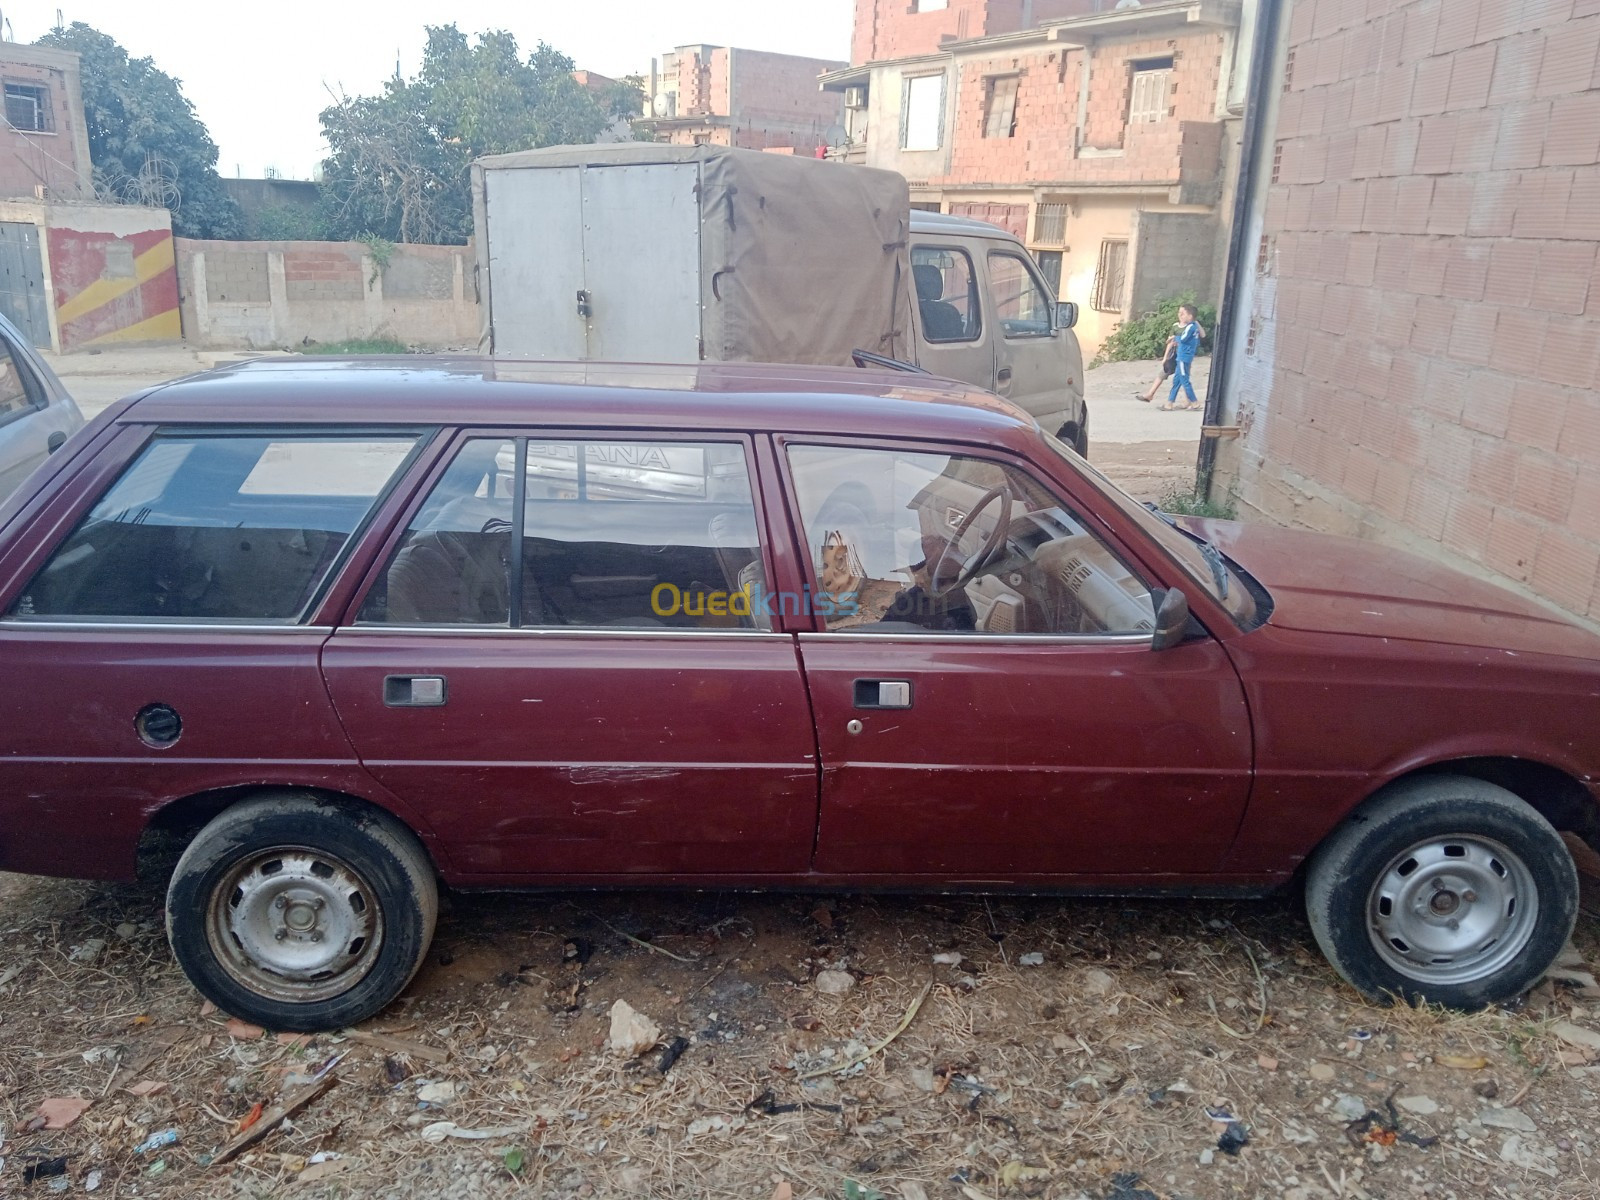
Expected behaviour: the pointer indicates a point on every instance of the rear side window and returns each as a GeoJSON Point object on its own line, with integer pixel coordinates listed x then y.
{"type": "Point", "coordinates": [613, 535]}
{"type": "Point", "coordinates": [217, 528]}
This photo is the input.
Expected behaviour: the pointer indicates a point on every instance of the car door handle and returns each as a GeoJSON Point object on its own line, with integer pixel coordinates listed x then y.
{"type": "Point", "coordinates": [883, 693]}
{"type": "Point", "coordinates": [414, 691]}
{"type": "Point", "coordinates": [1002, 380]}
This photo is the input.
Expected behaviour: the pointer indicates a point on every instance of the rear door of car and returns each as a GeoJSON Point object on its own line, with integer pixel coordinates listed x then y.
{"type": "Point", "coordinates": [560, 657]}
{"type": "Point", "coordinates": [157, 633]}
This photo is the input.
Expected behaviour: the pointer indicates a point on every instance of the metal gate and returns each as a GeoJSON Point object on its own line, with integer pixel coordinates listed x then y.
{"type": "Point", "coordinates": [22, 297]}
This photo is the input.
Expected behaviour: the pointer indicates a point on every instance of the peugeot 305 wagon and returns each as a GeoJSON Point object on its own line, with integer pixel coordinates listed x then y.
{"type": "Point", "coordinates": [347, 631]}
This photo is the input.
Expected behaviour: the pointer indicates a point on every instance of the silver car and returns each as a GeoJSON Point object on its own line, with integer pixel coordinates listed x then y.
{"type": "Point", "coordinates": [36, 413]}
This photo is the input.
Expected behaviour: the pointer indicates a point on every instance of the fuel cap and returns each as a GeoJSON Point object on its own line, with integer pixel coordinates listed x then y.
{"type": "Point", "coordinates": [158, 725]}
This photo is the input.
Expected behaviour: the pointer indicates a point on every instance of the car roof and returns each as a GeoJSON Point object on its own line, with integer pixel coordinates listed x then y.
{"type": "Point", "coordinates": [471, 390]}
{"type": "Point", "coordinates": [932, 222]}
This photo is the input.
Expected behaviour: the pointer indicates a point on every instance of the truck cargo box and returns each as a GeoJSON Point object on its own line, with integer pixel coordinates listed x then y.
{"type": "Point", "coordinates": [655, 253]}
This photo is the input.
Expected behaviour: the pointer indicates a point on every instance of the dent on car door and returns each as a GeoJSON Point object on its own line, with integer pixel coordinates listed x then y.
{"type": "Point", "coordinates": [562, 661]}
{"type": "Point", "coordinates": [987, 701]}
{"type": "Point", "coordinates": [158, 647]}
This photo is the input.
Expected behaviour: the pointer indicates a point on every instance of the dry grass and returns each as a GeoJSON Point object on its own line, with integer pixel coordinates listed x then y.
{"type": "Point", "coordinates": [1101, 1062]}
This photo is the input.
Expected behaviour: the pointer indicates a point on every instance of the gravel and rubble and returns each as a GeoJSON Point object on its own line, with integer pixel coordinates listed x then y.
{"type": "Point", "coordinates": [1146, 1049]}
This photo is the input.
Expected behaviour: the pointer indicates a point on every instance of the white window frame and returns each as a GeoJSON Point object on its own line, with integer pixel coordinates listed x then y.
{"type": "Point", "coordinates": [917, 128]}
{"type": "Point", "coordinates": [923, 6]}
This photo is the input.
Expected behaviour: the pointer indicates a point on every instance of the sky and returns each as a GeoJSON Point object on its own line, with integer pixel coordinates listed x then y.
{"type": "Point", "coordinates": [259, 74]}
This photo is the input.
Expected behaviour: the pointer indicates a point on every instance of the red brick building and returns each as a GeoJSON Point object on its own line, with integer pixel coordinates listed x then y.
{"type": "Point", "coordinates": [44, 143]}
{"type": "Point", "coordinates": [1099, 134]}
{"type": "Point", "coordinates": [724, 96]}
{"type": "Point", "coordinates": [1416, 354]}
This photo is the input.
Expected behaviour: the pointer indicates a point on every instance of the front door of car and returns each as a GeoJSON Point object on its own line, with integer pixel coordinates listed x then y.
{"type": "Point", "coordinates": [1030, 363]}
{"type": "Point", "coordinates": [562, 662]}
{"type": "Point", "coordinates": [988, 705]}
{"type": "Point", "coordinates": [952, 338]}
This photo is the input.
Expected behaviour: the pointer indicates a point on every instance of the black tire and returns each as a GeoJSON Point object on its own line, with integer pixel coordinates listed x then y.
{"type": "Point", "coordinates": [352, 894]}
{"type": "Point", "coordinates": [1383, 890]}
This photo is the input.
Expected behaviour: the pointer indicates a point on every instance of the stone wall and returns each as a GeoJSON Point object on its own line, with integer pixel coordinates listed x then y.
{"type": "Point", "coordinates": [284, 294]}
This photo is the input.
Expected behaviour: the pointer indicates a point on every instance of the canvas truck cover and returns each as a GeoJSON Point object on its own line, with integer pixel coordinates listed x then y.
{"type": "Point", "coordinates": [799, 260]}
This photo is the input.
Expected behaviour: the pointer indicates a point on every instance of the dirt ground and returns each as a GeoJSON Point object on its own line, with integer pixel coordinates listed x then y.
{"type": "Point", "coordinates": [1063, 1048]}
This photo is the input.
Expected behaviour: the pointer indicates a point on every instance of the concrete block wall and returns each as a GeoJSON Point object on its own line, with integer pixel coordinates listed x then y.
{"type": "Point", "coordinates": [1170, 253]}
{"type": "Point", "coordinates": [1424, 360]}
{"type": "Point", "coordinates": [257, 295]}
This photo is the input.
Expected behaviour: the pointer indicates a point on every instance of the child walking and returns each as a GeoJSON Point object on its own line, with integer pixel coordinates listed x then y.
{"type": "Point", "coordinates": [1189, 335]}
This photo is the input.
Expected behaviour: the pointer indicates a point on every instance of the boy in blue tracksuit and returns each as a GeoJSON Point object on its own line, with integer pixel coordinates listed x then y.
{"type": "Point", "coordinates": [1189, 335]}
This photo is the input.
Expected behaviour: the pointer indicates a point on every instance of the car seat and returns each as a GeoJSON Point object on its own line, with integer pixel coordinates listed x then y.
{"type": "Point", "coordinates": [941, 320]}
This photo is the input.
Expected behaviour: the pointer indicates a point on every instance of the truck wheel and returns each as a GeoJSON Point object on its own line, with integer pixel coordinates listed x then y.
{"type": "Point", "coordinates": [1445, 889]}
{"type": "Point", "coordinates": [300, 914]}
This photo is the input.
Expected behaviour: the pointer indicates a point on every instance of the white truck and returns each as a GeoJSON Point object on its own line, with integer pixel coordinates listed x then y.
{"type": "Point", "coordinates": [639, 252]}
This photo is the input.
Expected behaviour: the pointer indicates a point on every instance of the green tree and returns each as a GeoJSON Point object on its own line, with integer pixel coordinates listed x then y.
{"type": "Point", "coordinates": [145, 141]}
{"type": "Point", "coordinates": [399, 166]}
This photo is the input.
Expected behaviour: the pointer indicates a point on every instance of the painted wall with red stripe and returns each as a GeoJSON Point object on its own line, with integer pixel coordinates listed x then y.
{"type": "Point", "coordinates": [114, 276]}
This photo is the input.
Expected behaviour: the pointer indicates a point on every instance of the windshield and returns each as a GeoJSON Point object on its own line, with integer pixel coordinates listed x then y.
{"type": "Point", "coordinates": [1220, 578]}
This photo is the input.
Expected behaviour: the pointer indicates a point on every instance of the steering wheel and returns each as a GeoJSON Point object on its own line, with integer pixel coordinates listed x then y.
{"type": "Point", "coordinates": [978, 559]}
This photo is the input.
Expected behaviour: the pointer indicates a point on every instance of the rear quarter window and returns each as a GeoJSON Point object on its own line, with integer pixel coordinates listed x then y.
{"type": "Point", "coordinates": [217, 528]}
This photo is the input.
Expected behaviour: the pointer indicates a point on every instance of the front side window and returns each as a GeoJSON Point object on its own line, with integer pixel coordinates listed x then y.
{"type": "Point", "coordinates": [1019, 297]}
{"type": "Point", "coordinates": [542, 533]}
{"type": "Point", "coordinates": [216, 527]}
{"type": "Point", "coordinates": [15, 397]}
{"type": "Point", "coordinates": [922, 114]}
{"type": "Point", "coordinates": [947, 294]}
{"type": "Point", "coordinates": [903, 541]}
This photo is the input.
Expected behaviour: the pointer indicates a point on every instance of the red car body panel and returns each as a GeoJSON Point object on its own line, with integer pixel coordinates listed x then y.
{"type": "Point", "coordinates": [608, 757]}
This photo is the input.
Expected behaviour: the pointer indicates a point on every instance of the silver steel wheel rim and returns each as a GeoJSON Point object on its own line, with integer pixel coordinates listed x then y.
{"type": "Point", "coordinates": [1452, 910]}
{"type": "Point", "coordinates": [295, 924]}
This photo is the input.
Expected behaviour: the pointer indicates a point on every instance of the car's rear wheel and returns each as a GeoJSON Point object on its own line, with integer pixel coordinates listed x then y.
{"type": "Point", "coordinates": [300, 914]}
{"type": "Point", "coordinates": [1444, 889]}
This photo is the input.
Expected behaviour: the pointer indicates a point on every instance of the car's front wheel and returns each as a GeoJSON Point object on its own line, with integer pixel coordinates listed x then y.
{"type": "Point", "coordinates": [1444, 889]}
{"type": "Point", "coordinates": [300, 914]}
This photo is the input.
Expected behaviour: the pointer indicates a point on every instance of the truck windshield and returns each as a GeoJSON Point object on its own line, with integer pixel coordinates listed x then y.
{"type": "Point", "coordinates": [1221, 578]}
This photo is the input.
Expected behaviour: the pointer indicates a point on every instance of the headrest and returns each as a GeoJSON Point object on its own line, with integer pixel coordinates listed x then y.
{"type": "Point", "coordinates": [930, 281]}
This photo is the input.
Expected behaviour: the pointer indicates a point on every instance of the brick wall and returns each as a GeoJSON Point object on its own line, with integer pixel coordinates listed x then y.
{"type": "Point", "coordinates": [776, 101]}
{"type": "Point", "coordinates": [1048, 90]}
{"type": "Point", "coordinates": [895, 29]}
{"type": "Point", "coordinates": [1425, 334]}
{"type": "Point", "coordinates": [56, 159]}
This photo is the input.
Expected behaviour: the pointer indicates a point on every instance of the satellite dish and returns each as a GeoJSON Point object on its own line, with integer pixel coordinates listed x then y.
{"type": "Point", "coordinates": [661, 106]}
{"type": "Point", "coordinates": [835, 135]}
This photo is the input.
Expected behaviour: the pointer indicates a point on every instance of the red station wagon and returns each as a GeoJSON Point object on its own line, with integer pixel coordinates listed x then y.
{"type": "Point", "coordinates": [349, 629]}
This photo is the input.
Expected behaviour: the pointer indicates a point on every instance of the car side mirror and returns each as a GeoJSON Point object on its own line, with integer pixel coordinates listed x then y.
{"type": "Point", "coordinates": [1066, 314]}
{"type": "Point", "coordinates": [1172, 619]}
{"type": "Point", "coordinates": [55, 441]}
